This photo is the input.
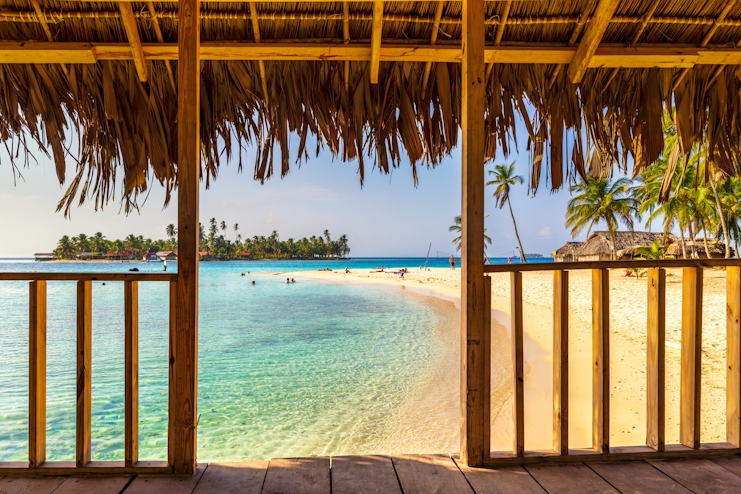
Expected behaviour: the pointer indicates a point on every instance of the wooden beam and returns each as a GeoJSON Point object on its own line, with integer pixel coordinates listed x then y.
{"type": "Point", "coordinates": [132, 33]}
{"type": "Point", "coordinates": [601, 360]}
{"type": "Point", "coordinates": [377, 31]}
{"type": "Point", "coordinates": [561, 362]}
{"type": "Point", "coordinates": [591, 40]}
{"type": "Point", "coordinates": [500, 32]}
{"type": "Point", "coordinates": [486, 343]}
{"type": "Point", "coordinates": [433, 41]}
{"type": "Point", "coordinates": [518, 367]}
{"type": "Point", "coordinates": [472, 235]}
{"type": "Point", "coordinates": [131, 373]}
{"type": "Point", "coordinates": [84, 371]}
{"type": "Point", "coordinates": [261, 64]}
{"type": "Point", "coordinates": [644, 23]}
{"type": "Point", "coordinates": [572, 41]}
{"type": "Point", "coordinates": [184, 392]}
{"type": "Point", "coordinates": [656, 360]}
{"type": "Point", "coordinates": [581, 265]}
{"type": "Point", "coordinates": [37, 374]}
{"type": "Point", "coordinates": [689, 393]}
{"type": "Point", "coordinates": [346, 40]}
{"type": "Point", "coordinates": [733, 355]}
{"type": "Point", "coordinates": [171, 401]}
{"type": "Point", "coordinates": [161, 39]}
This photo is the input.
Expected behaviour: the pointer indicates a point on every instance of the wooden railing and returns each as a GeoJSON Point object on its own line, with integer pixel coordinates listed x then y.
{"type": "Point", "coordinates": [37, 376]}
{"type": "Point", "coordinates": [691, 354]}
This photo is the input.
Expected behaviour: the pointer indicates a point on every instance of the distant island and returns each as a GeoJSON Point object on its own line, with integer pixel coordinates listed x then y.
{"type": "Point", "coordinates": [214, 246]}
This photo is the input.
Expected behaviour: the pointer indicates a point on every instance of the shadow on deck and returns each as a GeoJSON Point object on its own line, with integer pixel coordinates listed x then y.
{"type": "Point", "coordinates": [406, 474]}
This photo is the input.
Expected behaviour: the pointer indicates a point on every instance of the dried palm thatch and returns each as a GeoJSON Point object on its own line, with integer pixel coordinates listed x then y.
{"type": "Point", "coordinates": [716, 249]}
{"type": "Point", "coordinates": [625, 242]}
{"type": "Point", "coordinates": [100, 119]}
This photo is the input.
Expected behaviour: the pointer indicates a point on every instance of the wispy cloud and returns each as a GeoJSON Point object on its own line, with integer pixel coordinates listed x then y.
{"type": "Point", "coordinates": [545, 232]}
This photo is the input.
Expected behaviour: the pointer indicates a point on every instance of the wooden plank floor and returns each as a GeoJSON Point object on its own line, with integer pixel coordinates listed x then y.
{"type": "Point", "coordinates": [406, 474]}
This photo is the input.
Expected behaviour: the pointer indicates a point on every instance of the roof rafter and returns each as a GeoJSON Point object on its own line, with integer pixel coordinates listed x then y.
{"type": "Point", "coordinates": [161, 39]}
{"type": "Point", "coordinates": [433, 41]}
{"type": "Point", "coordinates": [261, 64]}
{"type": "Point", "coordinates": [583, 18]}
{"type": "Point", "coordinates": [375, 57]}
{"type": "Point", "coordinates": [132, 33]}
{"type": "Point", "coordinates": [591, 40]}
{"type": "Point", "coordinates": [346, 39]}
{"type": "Point", "coordinates": [500, 32]}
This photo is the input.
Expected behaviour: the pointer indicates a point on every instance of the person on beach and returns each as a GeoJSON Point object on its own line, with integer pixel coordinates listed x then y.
{"type": "Point", "coordinates": [347, 270]}
{"type": "Point", "coordinates": [509, 260]}
{"type": "Point", "coordinates": [452, 262]}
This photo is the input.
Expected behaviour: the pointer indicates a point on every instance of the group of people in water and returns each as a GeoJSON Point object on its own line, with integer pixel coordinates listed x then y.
{"type": "Point", "coordinates": [288, 280]}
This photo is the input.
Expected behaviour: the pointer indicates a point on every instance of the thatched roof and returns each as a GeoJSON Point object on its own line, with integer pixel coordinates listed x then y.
{"type": "Point", "coordinates": [99, 119]}
{"type": "Point", "coordinates": [569, 248]}
{"type": "Point", "coordinates": [716, 248]}
{"type": "Point", "coordinates": [599, 242]}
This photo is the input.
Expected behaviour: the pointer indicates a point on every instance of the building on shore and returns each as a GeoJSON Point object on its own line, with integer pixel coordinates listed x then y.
{"type": "Point", "coordinates": [696, 249]}
{"type": "Point", "coordinates": [598, 247]}
{"type": "Point", "coordinates": [166, 255]}
{"type": "Point", "coordinates": [567, 253]}
{"type": "Point", "coordinates": [44, 256]}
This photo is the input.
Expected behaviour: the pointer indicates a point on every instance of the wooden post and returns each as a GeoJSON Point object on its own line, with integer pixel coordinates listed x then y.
{"type": "Point", "coordinates": [472, 235]}
{"type": "Point", "coordinates": [655, 372]}
{"type": "Point", "coordinates": [561, 362]}
{"type": "Point", "coordinates": [37, 374]}
{"type": "Point", "coordinates": [84, 370]}
{"type": "Point", "coordinates": [171, 378]}
{"type": "Point", "coordinates": [131, 373]}
{"type": "Point", "coordinates": [733, 355]}
{"type": "Point", "coordinates": [601, 360]}
{"type": "Point", "coordinates": [185, 365]}
{"type": "Point", "coordinates": [689, 394]}
{"type": "Point", "coordinates": [487, 366]}
{"type": "Point", "coordinates": [518, 402]}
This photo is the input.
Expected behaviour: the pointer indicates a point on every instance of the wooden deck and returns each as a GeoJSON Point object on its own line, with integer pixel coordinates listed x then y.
{"type": "Point", "coordinates": [406, 475]}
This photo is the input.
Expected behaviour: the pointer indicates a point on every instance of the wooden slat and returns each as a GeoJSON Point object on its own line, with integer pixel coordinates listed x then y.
{"type": "Point", "coordinates": [656, 360]}
{"type": "Point", "coordinates": [88, 276]}
{"type": "Point", "coordinates": [131, 373]}
{"type": "Point", "coordinates": [731, 463]}
{"type": "Point", "coordinates": [569, 478]}
{"type": "Point", "coordinates": [377, 31]}
{"type": "Point", "coordinates": [170, 484]}
{"type": "Point", "coordinates": [591, 40]}
{"type": "Point", "coordinates": [645, 21]}
{"type": "Point", "coordinates": [227, 478]}
{"type": "Point", "coordinates": [509, 480]}
{"type": "Point", "coordinates": [518, 397]}
{"type": "Point", "coordinates": [84, 371]}
{"type": "Point", "coordinates": [305, 475]}
{"type": "Point", "coordinates": [637, 477]}
{"type": "Point", "coordinates": [56, 468]}
{"type": "Point", "coordinates": [364, 474]}
{"type": "Point", "coordinates": [733, 355]}
{"type": "Point", "coordinates": [132, 33]}
{"type": "Point", "coordinates": [561, 362]}
{"type": "Point", "coordinates": [557, 266]}
{"type": "Point", "coordinates": [472, 235]}
{"type": "Point", "coordinates": [601, 360]}
{"type": "Point", "coordinates": [93, 484]}
{"type": "Point", "coordinates": [430, 473]}
{"type": "Point", "coordinates": [171, 403]}
{"type": "Point", "coordinates": [689, 397]}
{"type": "Point", "coordinates": [37, 374]}
{"type": "Point", "coordinates": [486, 350]}
{"type": "Point", "coordinates": [700, 475]}
{"type": "Point", "coordinates": [184, 392]}
{"type": "Point", "coordinates": [13, 485]}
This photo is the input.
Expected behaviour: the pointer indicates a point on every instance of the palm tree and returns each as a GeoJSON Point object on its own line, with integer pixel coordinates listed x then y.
{"type": "Point", "coordinates": [504, 179]}
{"type": "Point", "coordinates": [236, 231]}
{"type": "Point", "coordinates": [599, 200]}
{"type": "Point", "coordinates": [65, 249]}
{"type": "Point", "coordinates": [223, 226]}
{"type": "Point", "coordinates": [457, 228]}
{"type": "Point", "coordinates": [171, 231]}
{"type": "Point", "coordinates": [654, 252]}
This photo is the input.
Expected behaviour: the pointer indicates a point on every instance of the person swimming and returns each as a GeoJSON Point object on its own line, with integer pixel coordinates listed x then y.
{"type": "Point", "coordinates": [293, 281]}
{"type": "Point", "coordinates": [253, 282]}
{"type": "Point", "coordinates": [288, 280]}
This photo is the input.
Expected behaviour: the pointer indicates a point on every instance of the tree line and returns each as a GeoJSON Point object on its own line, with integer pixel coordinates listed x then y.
{"type": "Point", "coordinates": [215, 241]}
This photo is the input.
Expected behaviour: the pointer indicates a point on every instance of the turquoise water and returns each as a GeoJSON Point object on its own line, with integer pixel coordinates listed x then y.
{"type": "Point", "coordinates": [284, 369]}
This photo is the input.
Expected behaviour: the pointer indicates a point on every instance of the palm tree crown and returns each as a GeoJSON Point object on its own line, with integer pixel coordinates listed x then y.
{"type": "Point", "coordinates": [504, 179]}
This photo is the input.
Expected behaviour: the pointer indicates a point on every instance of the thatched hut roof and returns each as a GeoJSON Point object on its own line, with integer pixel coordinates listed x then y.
{"type": "Point", "coordinates": [599, 242]}
{"type": "Point", "coordinates": [716, 248]}
{"type": "Point", "coordinates": [569, 248]}
{"type": "Point", "coordinates": [109, 114]}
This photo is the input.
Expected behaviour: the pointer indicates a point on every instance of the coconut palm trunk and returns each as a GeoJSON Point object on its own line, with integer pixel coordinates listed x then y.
{"type": "Point", "coordinates": [517, 234]}
{"type": "Point", "coordinates": [684, 248]}
{"type": "Point", "coordinates": [705, 240]}
{"type": "Point", "coordinates": [722, 219]}
{"type": "Point", "coordinates": [613, 254]}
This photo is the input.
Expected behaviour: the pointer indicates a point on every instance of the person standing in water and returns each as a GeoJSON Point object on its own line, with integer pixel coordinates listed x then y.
{"type": "Point", "coordinates": [452, 262]}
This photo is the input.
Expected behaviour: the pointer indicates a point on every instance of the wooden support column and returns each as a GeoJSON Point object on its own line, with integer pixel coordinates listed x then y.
{"type": "Point", "coordinates": [518, 367]}
{"type": "Point", "coordinates": [171, 403]}
{"type": "Point", "coordinates": [375, 60]}
{"type": "Point", "coordinates": [561, 362]}
{"type": "Point", "coordinates": [472, 236]}
{"type": "Point", "coordinates": [601, 360]}
{"type": "Point", "coordinates": [131, 373]}
{"type": "Point", "coordinates": [184, 362]}
{"type": "Point", "coordinates": [733, 355]}
{"type": "Point", "coordinates": [656, 360]}
{"type": "Point", "coordinates": [84, 371]}
{"type": "Point", "coordinates": [37, 374]}
{"type": "Point", "coordinates": [689, 393]}
{"type": "Point", "coordinates": [591, 40]}
{"type": "Point", "coordinates": [487, 366]}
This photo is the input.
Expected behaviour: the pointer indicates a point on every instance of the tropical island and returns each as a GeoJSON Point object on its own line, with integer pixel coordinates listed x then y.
{"type": "Point", "coordinates": [215, 245]}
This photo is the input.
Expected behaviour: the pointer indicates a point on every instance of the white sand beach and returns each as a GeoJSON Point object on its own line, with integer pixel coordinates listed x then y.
{"type": "Point", "coordinates": [433, 416]}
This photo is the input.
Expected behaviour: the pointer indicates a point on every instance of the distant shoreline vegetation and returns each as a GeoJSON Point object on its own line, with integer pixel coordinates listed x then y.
{"type": "Point", "coordinates": [214, 246]}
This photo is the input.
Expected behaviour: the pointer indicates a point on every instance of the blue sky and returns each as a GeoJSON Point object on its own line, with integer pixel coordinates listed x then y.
{"type": "Point", "coordinates": [387, 217]}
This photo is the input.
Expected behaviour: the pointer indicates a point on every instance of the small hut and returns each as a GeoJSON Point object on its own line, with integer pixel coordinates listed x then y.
{"type": "Point", "coordinates": [598, 246]}
{"type": "Point", "coordinates": [567, 253]}
{"type": "Point", "coordinates": [696, 248]}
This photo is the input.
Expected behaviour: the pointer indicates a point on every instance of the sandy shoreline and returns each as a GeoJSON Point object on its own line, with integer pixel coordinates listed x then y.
{"type": "Point", "coordinates": [435, 410]}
